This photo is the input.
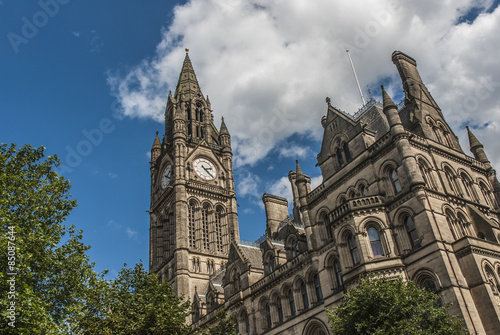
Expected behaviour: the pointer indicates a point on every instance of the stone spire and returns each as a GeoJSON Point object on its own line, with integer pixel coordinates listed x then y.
{"type": "Point", "coordinates": [477, 149]}
{"type": "Point", "coordinates": [387, 101]}
{"type": "Point", "coordinates": [224, 137]}
{"type": "Point", "coordinates": [156, 148]}
{"type": "Point", "coordinates": [300, 174]}
{"type": "Point", "coordinates": [391, 112]}
{"type": "Point", "coordinates": [223, 129]}
{"type": "Point", "coordinates": [473, 141]}
{"type": "Point", "coordinates": [187, 83]}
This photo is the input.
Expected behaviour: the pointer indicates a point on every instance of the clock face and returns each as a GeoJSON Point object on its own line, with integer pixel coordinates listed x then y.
{"type": "Point", "coordinates": [204, 168]}
{"type": "Point", "coordinates": [165, 176]}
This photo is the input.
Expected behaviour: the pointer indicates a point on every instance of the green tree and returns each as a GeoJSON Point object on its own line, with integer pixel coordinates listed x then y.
{"type": "Point", "coordinates": [224, 324]}
{"type": "Point", "coordinates": [44, 266]}
{"type": "Point", "coordinates": [135, 302]}
{"type": "Point", "coordinates": [385, 307]}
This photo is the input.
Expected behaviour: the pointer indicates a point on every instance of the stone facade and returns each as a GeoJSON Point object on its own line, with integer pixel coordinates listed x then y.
{"type": "Point", "coordinates": [399, 198]}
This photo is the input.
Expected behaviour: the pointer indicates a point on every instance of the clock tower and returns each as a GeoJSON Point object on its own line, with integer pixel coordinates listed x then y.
{"type": "Point", "coordinates": [193, 216]}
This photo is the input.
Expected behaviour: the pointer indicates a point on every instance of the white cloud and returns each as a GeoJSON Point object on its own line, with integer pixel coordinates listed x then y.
{"type": "Point", "coordinates": [95, 41]}
{"type": "Point", "coordinates": [132, 234]}
{"type": "Point", "coordinates": [113, 224]}
{"type": "Point", "coordinates": [248, 185]}
{"type": "Point", "coordinates": [112, 175]}
{"type": "Point", "coordinates": [282, 188]}
{"type": "Point", "coordinates": [248, 211]}
{"type": "Point", "coordinates": [294, 150]}
{"type": "Point", "coordinates": [271, 71]}
{"type": "Point", "coordinates": [316, 181]}
{"type": "Point", "coordinates": [76, 33]}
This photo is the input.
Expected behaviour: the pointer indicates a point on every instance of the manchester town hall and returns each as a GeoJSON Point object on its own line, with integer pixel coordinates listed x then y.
{"type": "Point", "coordinates": [399, 198]}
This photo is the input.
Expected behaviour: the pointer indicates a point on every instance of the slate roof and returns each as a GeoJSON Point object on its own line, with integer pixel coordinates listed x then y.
{"type": "Point", "coordinates": [252, 255]}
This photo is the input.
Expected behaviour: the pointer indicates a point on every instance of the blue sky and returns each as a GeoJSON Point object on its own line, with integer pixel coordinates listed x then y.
{"type": "Point", "coordinates": [104, 68]}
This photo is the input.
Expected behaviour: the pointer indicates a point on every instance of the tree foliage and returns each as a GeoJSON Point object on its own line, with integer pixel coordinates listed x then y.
{"type": "Point", "coordinates": [135, 302]}
{"type": "Point", "coordinates": [47, 268]}
{"type": "Point", "coordinates": [385, 307]}
{"type": "Point", "coordinates": [48, 285]}
{"type": "Point", "coordinates": [224, 324]}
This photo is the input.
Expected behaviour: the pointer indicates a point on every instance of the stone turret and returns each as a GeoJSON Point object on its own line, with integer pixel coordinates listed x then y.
{"type": "Point", "coordinates": [276, 211]}
{"type": "Point", "coordinates": [303, 186]}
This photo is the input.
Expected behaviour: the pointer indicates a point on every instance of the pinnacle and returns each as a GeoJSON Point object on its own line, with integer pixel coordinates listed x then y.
{"type": "Point", "coordinates": [473, 141]}
{"type": "Point", "coordinates": [187, 83]}
{"type": "Point", "coordinates": [156, 143]}
{"type": "Point", "coordinates": [223, 128]}
{"type": "Point", "coordinates": [387, 101]}
{"type": "Point", "coordinates": [300, 174]}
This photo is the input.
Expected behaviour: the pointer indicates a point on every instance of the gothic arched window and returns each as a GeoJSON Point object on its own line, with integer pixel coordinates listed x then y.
{"type": "Point", "coordinates": [411, 231]}
{"type": "Point", "coordinates": [279, 308]}
{"type": "Point", "coordinates": [294, 246]}
{"type": "Point", "coordinates": [455, 227]}
{"type": "Point", "coordinates": [353, 249]}
{"type": "Point", "coordinates": [338, 273]}
{"type": "Point", "coordinates": [375, 242]}
{"type": "Point", "coordinates": [468, 186]}
{"type": "Point", "coordinates": [426, 172]}
{"type": "Point", "coordinates": [347, 152]}
{"type": "Point", "coordinates": [324, 223]}
{"type": "Point", "coordinates": [247, 324]}
{"type": "Point", "coordinates": [270, 262]}
{"type": "Point", "coordinates": [218, 228]}
{"type": "Point", "coordinates": [303, 292]}
{"type": "Point", "coordinates": [205, 226]}
{"type": "Point", "coordinates": [452, 181]}
{"type": "Point", "coordinates": [191, 224]}
{"type": "Point", "coordinates": [394, 177]}
{"type": "Point", "coordinates": [487, 194]}
{"type": "Point", "coordinates": [465, 224]}
{"type": "Point", "coordinates": [317, 287]}
{"type": "Point", "coordinates": [291, 301]}
{"type": "Point", "coordinates": [363, 190]}
{"type": "Point", "coordinates": [235, 279]}
{"type": "Point", "coordinates": [267, 310]}
{"type": "Point", "coordinates": [340, 157]}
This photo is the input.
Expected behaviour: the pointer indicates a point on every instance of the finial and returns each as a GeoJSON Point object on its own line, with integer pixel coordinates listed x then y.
{"type": "Point", "coordinates": [187, 50]}
{"type": "Point", "coordinates": [328, 101]}
{"type": "Point", "coordinates": [382, 87]}
{"type": "Point", "coordinates": [157, 133]}
{"type": "Point", "coordinates": [222, 119]}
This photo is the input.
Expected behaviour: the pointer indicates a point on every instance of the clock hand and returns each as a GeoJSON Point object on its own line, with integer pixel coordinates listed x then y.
{"type": "Point", "coordinates": [204, 168]}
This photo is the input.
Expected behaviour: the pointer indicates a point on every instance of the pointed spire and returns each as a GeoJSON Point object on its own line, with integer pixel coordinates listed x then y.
{"type": "Point", "coordinates": [473, 141]}
{"type": "Point", "coordinates": [156, 149]}
{"type": "Point", "coordinates": [187, 83]}
{"type": "Point", "coordinates": [223, 129]}
{"type": "Point", "coordinates": [387, 101]}
{"type": "Point", "coordinates": [300, 174]}
{"type": "Point", "coordinates": [156, 143]}
{"type": "Point", "coordinates": [477, 149]}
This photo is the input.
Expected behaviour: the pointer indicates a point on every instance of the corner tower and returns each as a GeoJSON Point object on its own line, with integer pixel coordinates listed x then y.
{"type": "Point", "coordinates": [193, 216]}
